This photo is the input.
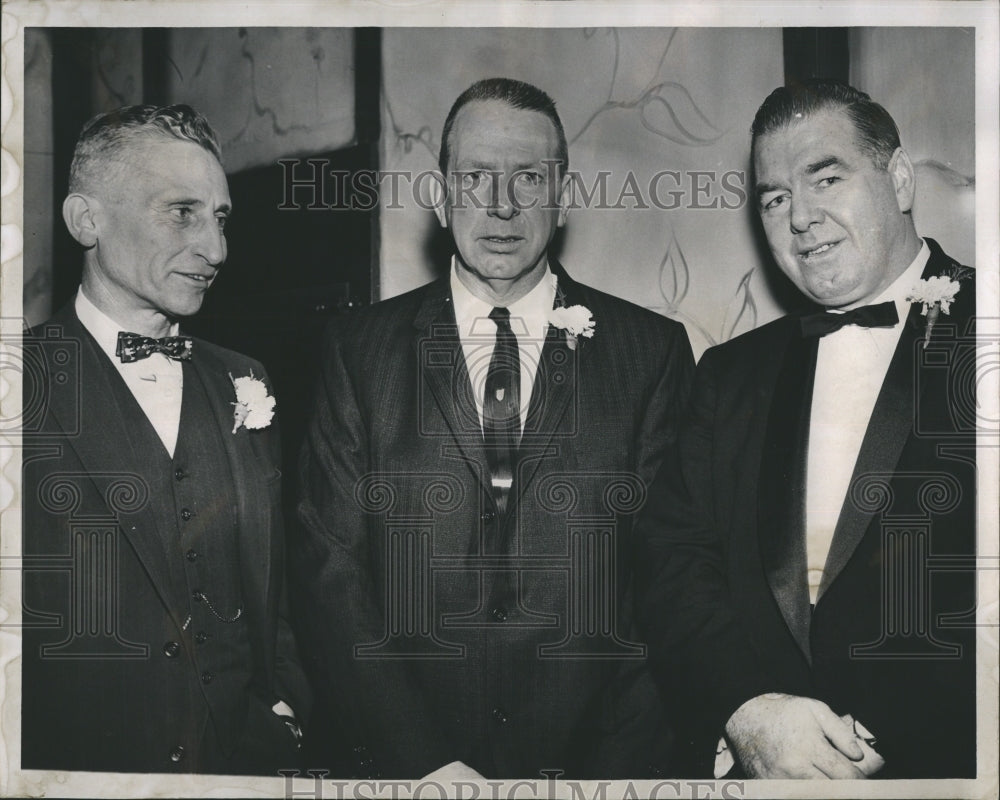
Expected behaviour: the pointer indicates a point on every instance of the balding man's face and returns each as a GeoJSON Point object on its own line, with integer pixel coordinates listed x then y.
{"type": "Point", "coordinates": [504, 191]}
{"type": "Point", "coordinates": [160, 239]}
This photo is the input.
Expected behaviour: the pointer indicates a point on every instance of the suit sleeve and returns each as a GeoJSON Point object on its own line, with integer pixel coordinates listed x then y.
{"type": "Point", "coordinates": [639, 741]}
{"type": "Point", "coordinates": [377, 704]}
{"type": "Point", "coordinates": [703, 660]}
{"type": "Point", "coordinates": [290, 682]}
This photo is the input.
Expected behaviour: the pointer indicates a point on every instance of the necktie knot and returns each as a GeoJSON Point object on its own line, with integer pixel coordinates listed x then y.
{"type": "Point", "coordinates": [135, 347]}
{"type": "Point", "coordinates": [880, 315]}
{"type": "Point", "coordinates": [501, 316]}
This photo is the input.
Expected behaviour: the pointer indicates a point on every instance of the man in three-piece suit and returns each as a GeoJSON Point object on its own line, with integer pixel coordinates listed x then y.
{"type": "Point", "coordinates": [812, 546]}
{"type": "Point", "coordinates": [479, 449]}
{"type": "Point", "coordinates": [155, 637]}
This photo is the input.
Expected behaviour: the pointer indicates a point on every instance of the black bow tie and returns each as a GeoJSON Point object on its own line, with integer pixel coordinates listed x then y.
{"type": "Point", "coordinates": [135, 347]}
{"type": "Point", "coordinates": [882, 315]}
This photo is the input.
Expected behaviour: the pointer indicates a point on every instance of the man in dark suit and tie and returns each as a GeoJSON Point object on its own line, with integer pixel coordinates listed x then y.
{"type": "Point", "coordinates": [812, 547]}
{"type": "Point", "coordinates": [155, 637]}
{"type": "Point", "coordinates": [479, 449]}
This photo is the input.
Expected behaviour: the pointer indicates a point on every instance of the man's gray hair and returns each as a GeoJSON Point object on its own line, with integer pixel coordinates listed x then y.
{"type": "Point", "coordinates": [100, 148]}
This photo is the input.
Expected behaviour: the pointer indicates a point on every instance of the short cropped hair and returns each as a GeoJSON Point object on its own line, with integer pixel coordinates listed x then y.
{"type": "Point", "coordinates": [100, 148]}
{"type": "Point", "coordinates": [516, 94]}
{"type": "Point", "coordinates": [877, 134]}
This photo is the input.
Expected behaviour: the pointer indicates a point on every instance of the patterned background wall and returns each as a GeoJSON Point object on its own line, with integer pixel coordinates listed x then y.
{"type": "Point", "coordinates": [663, 114]}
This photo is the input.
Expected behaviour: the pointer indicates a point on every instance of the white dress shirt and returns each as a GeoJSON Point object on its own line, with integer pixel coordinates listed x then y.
{"type": "Point", "coordinates": [157, 382]}
{"type": "Point", "coordinates": [851, 365]}
{"type": "Point", "coordinates": [529, 320]}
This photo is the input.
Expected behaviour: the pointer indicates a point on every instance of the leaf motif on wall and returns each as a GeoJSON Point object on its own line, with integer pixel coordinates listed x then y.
{"type": "Point", "coordinates": [675, 276]}
{"type": "Point", "coordinates": [741, 314]}
{"type": "Point", "coordinates": [668, 110]}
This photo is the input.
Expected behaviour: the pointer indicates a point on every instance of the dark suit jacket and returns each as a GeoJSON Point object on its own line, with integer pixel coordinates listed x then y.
{"type": "Point", "coordinates": [442, 631]}
{"type": "Point", "coordinates": [117, 700]}
{"type": "Point", "coordinates": [725, 623]}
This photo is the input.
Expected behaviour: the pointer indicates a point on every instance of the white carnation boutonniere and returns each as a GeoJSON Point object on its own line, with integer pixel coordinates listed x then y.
{"type": "Point", "coordinates": [936, 294]}
{"type": "Point", "coordinates": [254, 407]}
{"type": "Point", "coordinates": [575, 320]}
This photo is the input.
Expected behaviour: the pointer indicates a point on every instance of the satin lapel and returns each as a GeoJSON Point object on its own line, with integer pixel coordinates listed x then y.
{"type": "Point", "coordinates": [253, 512]}
{"type": "Point", "coordinates": [441, 364]}
{"type": "Point", "coordinates": [890, 426]}
{"type": "Point", "coordinates": [105, 449]}
{"type": "Point", "coordinates": [781, 493]}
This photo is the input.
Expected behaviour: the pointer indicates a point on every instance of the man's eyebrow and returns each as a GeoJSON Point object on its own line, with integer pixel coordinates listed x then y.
{"type": "Point", "coordinates": [823, 163]}
{"type": "Point", "coordinates": [224, 208]}
{"type": "Point", "coordinates": [764, 188]}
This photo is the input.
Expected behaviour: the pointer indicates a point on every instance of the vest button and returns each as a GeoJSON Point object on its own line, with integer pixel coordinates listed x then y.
{"type": "Point", "coordinates": [499, 614]}
{"type": "Point", "coordinates": [179, 474]}
{"type": "Point", "coordinates": [489, 516]}
{"type": "Point", "coordinates": [499, 715]}
{"type": "Point", "coordinates": [191, 555]}
{"type": "Point", "coordinates": [171, 649]}
{"type": "Point", "coordinates": [177, 754]}
{"type": "Point", "coordinates": [197, 596]}
{"type": "Point", "coordinates": [186, 514]}
{"type": "Point", "coordinates": [200, 637]}
{"type": "Point", "coordinates": [207, 678]}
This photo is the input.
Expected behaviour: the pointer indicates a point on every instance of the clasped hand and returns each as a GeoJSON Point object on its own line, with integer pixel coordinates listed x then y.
{"type": "Point", "coordinates": [783, 736]}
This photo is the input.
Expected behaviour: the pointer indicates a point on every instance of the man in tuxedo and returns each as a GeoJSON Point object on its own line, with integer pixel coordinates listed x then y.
{"type": "Point", "coordinates": [155, 637]}
{"type": "Point", "coordinates": [478, 451]}
{"type": "Point", "coordinates": [812, 589]}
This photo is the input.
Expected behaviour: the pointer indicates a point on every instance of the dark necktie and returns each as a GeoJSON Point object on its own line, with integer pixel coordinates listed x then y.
{"type": "Point", "coordinates": [135, 347]}
{"type": "Point", "coordinates": [882, 315]}
{"type": "Point", "coordinates": [502, 408]}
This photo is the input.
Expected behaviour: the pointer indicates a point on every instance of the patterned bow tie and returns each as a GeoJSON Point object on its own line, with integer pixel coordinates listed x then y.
{"type": "Point", "coordinates": [135, 347]}
{"type": "Point", "coordinates": [882, 315]}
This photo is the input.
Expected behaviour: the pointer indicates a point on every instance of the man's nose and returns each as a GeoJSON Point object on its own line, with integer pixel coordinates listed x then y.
{"type": "Point", "coordinates": [503, 203]}
{"type": "Point", "coordinates": [805, 211]}
{"type": "Point", "coordinates": [211, 243]}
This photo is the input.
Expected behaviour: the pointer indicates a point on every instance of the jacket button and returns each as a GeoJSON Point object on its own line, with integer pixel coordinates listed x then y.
{"type": "Point", "coordinates": [499, 715]}
{"type": "Point", "coordinates": [191, 555]}
{"type": "Point", "coordinates": [177, 753]}
{"type": "Point", "coordinates": [179, 474]}
{"type": "Point", "coordinates": [171, 649]}
{"type": "Point", "coordinates": [207, 677]}
{"type": "Point", "coordinates": [186, 514]}
{"type": "Point", "coordinates": [201, 637]}
{"type": "Point", "coordinates": [499, 614]}
{"type": "Point", "coordinates": [489, 516]}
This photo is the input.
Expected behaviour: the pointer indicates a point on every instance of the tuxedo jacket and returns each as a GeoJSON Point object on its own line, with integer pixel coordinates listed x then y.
{"type": "Point", "coordinates": [111, 675]}
{"type": "Point", "coordinates": [890, 640]}
{"type": "Point", "coordinates": [442, 630]}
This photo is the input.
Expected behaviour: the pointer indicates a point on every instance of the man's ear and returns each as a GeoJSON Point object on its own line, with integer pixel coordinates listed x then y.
{"type": "Point", "coordinates": [901, 172]}
{"type": "Point", "coordinates": [439, 196]}
{"type": "Point", "coordinates": [80, 215]}
{"type": "Point", "coordinates": [565, 199]}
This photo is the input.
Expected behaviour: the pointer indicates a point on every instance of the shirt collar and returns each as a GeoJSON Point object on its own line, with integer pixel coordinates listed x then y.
{"type": "Point", "coordinates": [101, 326]}
{"type": "Point", "coordinates": [900, 289]}
{"type": "Point", "coordinates": [533, 309]}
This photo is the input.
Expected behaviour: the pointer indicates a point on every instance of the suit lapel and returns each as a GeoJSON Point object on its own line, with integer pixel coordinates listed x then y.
{"type": "Point", "coordinates": [253, 513]}
{"type": "Point", "coordinates": [560, 372]}
{"type": "Point", "coordinates": [441, 364]}
{"type": "Point", "coordinates": [890, 426]}
{"type": "Point", "coordinates": [781, 493]}
{"type": "Point", "coordinates": [104, 450]}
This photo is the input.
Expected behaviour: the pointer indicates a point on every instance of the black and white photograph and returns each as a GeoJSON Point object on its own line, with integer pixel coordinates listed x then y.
{"type": "Point", "coordinates": [500, 400]}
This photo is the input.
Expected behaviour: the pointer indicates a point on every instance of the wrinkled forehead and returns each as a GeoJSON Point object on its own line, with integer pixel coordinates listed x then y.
{"type": "Point", "coordinates": [488, 130]}
{"type": "Point", "coordinates": [806, 138]}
